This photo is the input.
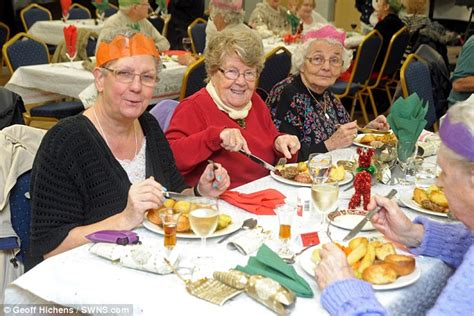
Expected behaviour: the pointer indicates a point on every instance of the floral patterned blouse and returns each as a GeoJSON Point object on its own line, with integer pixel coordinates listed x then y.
{"type": "Point", "coordinates": [301, 112]}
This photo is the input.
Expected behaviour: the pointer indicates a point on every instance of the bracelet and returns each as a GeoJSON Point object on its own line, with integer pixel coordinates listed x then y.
{"type": "Point", "coordinates": [196, 191]}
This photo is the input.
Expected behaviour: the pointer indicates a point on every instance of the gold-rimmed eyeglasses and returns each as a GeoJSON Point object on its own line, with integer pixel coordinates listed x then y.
{"type": "Point", "coordinates": [125, 76]}
{"type": "Point", "coordinates": [234, 74]}
{"type": "Point", "coordinates": [319, 60]}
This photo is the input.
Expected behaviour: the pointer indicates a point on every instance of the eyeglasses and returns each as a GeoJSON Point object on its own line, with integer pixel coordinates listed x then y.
{"type": "Point", "coordinates": [124, 76]}
{"type": "Point", "coordinates": [321, 60]}
{"type": "Point", "coordinates": [234, 74]}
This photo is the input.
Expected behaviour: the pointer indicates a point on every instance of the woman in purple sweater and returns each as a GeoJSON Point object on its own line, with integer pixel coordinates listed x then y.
{"type": "Point", "coordinates": [342, 294]}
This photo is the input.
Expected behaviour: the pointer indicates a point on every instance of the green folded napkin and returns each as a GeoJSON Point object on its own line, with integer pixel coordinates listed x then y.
{"type": "Point", "coordinates": [407, 118]}
{"type": "Point", "coordinates": [269, 264]}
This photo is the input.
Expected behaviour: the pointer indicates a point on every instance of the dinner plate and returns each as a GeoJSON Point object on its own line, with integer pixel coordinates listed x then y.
{"type": "Point", "coordinates": [348, 219]}
{"type": "Point", "coordinates": [357, 142]}
{"type": "Point", "coordinates": [236, 224]}
{"type": "Point", "coordinates": [407, 200]}
{"type": "Point", "coordinates": [308, 266]}
{"type": "Point", "coordinates": [347, 178]}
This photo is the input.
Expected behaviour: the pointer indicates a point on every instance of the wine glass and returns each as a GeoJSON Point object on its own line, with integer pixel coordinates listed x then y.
{"type": "Point", "coordinates": [324, 195]}
{"type": "Point", "coordinates": [71, 58]}
{"type": "Point", "coordinates": [187, 46]}
{"type": "Point", "coordinates": [285, 214]}
{"type": "Point", "coordinates": [406, 152]}
{"type": "Point", "coordinates": [169, 219]}
{"type": "Point", "coordinates": [203, 218]}
{"type": "Point", "coordinates": [319, 165]}
{"type": "Point", "coordinates": [65, 16]}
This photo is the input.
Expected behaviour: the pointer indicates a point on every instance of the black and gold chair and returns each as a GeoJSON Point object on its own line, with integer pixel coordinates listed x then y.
{"type": "Point", "coordinates": [197, 34]}
{"type": "Point", "coordinates": [276, 68]}
{"type": "Point", "coordinates": [160, 23]}
{"type": "Point", "coordinates": [363, 65]}
{"type": "Point", "coordinates": [193, 79]}
{"type": "Point", "coordinates": [34, 13]}
{"type": "Point", "coordinates": [4, 37]}
{"type": "Point", "coordinates": [79, 12]}
{"type": "Point", "coordinates": [110, 10]}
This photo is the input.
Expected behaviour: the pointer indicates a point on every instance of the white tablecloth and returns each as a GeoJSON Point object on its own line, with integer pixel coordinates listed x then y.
{"type": "Point", "coordinates": [41, 83]}
{"type": "Point", "coordinates": [51, 32]}
{"type": "Point", "coordinates": [77, 277]}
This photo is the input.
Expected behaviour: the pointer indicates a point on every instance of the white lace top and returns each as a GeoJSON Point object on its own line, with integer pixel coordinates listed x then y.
{"type": "Point", "coordinates": [135, 168]}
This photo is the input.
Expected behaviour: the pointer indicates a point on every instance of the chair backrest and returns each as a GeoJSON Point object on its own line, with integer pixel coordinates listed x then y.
{"type": "Point", "coordinates": [91, 46]}
{"type": "Point", "coordinates": [24, 50]}
{"type": "Point", "coordinates": [79, 12]}
{"type": "Point", "coordinates": [11, 108]}
{"type": "Point", "coordinates": [110, 10]}
{"type": "Point", "coordinates": [392, 61]}
{"type": "Point", "coordinates": [4, 36]}
{"type": "Point", "coordinates": [430, 54]}
{"type": "Point", "coordinates": [197, 33]}
{"type": "Point", "coordinates": [163, 112]}
{"type": "Point", "coordinates": [193, 79]}
{"type": "Point", "coordinates": [366, 56]}
{"type": "Point", "coordinates": [415, 77]}
{"type": "Point", "coordinates": [276, 68]}
{"type": "Point", "coordinates": [34, 13]}
{"type": "Point", "coordinates": [159, 24]}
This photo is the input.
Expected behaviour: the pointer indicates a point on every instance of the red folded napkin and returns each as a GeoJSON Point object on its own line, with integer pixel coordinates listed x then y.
{"type": "Point", "coordinates": [175, 52]}
{"type": "Point", "coordinates": [260, 203]}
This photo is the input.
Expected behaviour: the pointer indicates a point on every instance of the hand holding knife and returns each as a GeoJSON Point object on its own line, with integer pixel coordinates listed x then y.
{"type": "Point", "coordinates": [258, 160]}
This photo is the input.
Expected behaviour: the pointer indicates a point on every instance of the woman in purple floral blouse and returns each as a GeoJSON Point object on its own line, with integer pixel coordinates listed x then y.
{"type": "Point", "coordinates": [303, 106]}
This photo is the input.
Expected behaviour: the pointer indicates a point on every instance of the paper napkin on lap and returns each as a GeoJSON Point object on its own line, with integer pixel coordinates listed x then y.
{"type": "Point", "coordinates": [269, 264]}
{"type": "Point", "coordinates": [260, 202]}
{"type": "Point", "coordinates": [407, 117]}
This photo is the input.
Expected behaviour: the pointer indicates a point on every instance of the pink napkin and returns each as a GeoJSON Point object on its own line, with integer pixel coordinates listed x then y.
{"type": "Point", "coordinates": [260, 202]}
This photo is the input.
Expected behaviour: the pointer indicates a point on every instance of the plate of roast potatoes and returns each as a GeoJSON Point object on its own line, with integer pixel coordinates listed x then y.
{"type": "Point", "coordinates": [375, 261]}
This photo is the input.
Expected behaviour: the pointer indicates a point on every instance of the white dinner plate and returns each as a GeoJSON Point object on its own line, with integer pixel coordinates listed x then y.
{"type": "Point", "coordinates": [347, 178]}
{"type": "Point", "coordinates": [308, 266]}
{"type": "Point", "coordinates": [407, 199]}
{"type": "Point", "coordinates": [236, 224]}
{"type": "Point", "coordinates": [357, 142]}
{"type": "Point", "coordinates": [348, 219]}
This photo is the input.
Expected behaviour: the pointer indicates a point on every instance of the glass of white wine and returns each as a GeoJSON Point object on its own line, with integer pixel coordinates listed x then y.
{"type": "Point", "coordinates": [203, 219]}
{"type": "Point", "coordinates": [324, 195]}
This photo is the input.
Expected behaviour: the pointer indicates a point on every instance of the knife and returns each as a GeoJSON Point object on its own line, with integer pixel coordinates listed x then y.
{"type": "Point", "coordinates": [367, 217]}
{"type": "Point", "coordinates": [174, 195]}
{"type": "Point", "coordinates": [258, 160]}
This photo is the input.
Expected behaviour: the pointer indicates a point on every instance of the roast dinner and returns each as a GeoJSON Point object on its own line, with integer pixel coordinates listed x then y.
{"type": "Point", "coordinates": [432, 199]}
{"type": "Point", "coordinates": [300, 173]}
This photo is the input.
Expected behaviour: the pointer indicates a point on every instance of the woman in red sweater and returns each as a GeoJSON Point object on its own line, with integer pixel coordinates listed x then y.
{"type": "Point", "coordinates": [227, 115]}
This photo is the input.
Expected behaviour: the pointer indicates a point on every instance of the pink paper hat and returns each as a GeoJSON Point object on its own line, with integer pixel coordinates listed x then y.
{"type": "Point", "coordinates": [328, 31]}
{"type": "Point", "coordinates": [234, 5]}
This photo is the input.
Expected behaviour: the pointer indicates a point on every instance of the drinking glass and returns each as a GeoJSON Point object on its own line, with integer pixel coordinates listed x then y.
{"type": "Point", "coordinates": [169, 219]}
{"type": "Point", "coordinates": [324, 195]}
{"type": "Point", "coordinates": [285, 213]}
{"type": "Point", "coordinates": [203, 218]}
{"type": "Point", "coordinates": [65, 17]}
{"type": "Point", "coordinates": [406, 152]}
{"type": "Point", "coordinates": [187, 46]}
{"type": "Point", "coordinates": [71, 58]}
{"type": "Point", "coordinates": [318, 162]}
{"type": "Point", "coordinates": [426, 174]}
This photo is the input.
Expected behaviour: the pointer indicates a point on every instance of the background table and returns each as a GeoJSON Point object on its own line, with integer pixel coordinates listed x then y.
{"type": "Point", "coordinates": [51, 32]}
{"type": "Point", "coordinates": [77, 277]}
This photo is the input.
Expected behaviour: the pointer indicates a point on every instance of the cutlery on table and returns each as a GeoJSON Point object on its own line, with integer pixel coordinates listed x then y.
{"type": "Point", "coordinates": [249, 223]}
{"type": "Point", "coordinates": [367, 217]}
{"type": "Point", "coordinates": [292, 259]}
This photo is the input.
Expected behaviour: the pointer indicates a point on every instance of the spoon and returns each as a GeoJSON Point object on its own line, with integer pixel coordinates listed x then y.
{"type": "Point", "coordinates": [292, 259]}
{"type": "Point", "coordinates": [249, 223]}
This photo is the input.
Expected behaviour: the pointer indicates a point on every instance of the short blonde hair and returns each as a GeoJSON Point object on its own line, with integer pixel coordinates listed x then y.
{"type": "Point", "coordinates": [246, 44]}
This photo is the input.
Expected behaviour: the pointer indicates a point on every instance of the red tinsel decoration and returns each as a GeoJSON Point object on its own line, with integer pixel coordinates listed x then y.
{"type": "Point", "coordinates": [363, 179]}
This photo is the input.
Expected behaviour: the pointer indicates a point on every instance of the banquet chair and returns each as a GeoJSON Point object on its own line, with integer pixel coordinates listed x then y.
{"type": "Point", "coordinates": [277, 66]}
{"type": "Point", "coordinates": [386, 77]}
{"type": "Point", "coordinates": [34, 13]}
{"type": "Point", "coordinates": [362, 69]}
{"type": "Point", "coordinates": [197, 34]}
{"type": "Point", "coordinates": [163, 112]}
{"type": "Point", "coordinates": [160, 23]}
{"type": "Point", "coordinates": [193, 79]}
{"type": "Point", "coordinates": [79, 12]}
{"type": "Point", "coordinates": [111, 10]}
{"type": "Point", "coordinates": [415, 77]}
{"type": "Point", "coordinates": [24, 50]}
{"type": "Point", "coordinates": [4, 36]}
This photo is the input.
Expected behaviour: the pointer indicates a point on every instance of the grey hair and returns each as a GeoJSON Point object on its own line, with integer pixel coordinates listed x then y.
{"type": "Point", "coordinates": [230, 16]}
{"type": "Point", "coordinates": [461, 112]}
{"type": "Point", "coordinates": [246, 44]}
{"type": "Point", "coordinates": [109, 35]}
{"type": "Point", "coordinates": [299, 55]}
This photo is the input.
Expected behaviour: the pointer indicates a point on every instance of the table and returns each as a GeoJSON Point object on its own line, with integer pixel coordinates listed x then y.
{"type": "Point", "coordinates": [41, 83]}
{"type": "Point", "coordinates": [51, 32]}
{"type": "Point", "coordinates": [77, 277]}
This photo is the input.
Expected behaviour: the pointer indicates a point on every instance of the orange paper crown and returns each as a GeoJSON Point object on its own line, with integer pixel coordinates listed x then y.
{"type": "Point", "coordinates": [122, 46]}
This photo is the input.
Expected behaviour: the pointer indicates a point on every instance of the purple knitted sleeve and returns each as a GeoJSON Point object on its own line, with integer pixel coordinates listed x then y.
{"type": "Point", "coordinates": [448, 242]}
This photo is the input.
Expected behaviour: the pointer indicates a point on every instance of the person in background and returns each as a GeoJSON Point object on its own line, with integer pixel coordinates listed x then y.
{"type": "Point", "coordinates": [227, 115]}
{"type": "Point", "coordinates": [463, 75]}
{"type": "Point", "coordinates": [269, 18]}
{"type": "Point", "coordinates": [133, 14]}
{"type": "Point", "coordinates": [103, 169]}
{"type": "Point", "coordinates": [310, 18]}
{"type": "Point", "coordinates": [292, 16]}
{"type": "Point", "coordinates": [367, 17]}
{"type": "Point", "coordinates": [342, 293]}
{"type": "Point", "coordinates": [302, 104]}
{"type": "Point", "coordinates": [183, 13]}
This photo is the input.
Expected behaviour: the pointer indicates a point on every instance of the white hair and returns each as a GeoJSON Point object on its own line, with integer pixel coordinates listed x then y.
{"type": "Point", "coordinates": [229, 16]}
{"type": "Point", "coordinates": [299, 55]}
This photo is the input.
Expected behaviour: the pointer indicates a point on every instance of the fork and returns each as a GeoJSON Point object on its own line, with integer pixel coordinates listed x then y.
{"type": "Point", "coordinates": [280, 164]}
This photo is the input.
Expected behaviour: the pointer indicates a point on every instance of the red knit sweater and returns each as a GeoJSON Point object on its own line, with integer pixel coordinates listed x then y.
{"type": "Point", "coordinates": [194, 138]}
